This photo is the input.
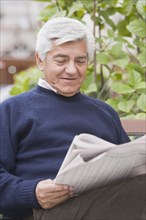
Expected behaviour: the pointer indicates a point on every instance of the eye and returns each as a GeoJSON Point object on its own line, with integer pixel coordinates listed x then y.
{"type": "Point", "coordinates": [81, 61]}
{"type": "Point", "coordinates": [60, 61]}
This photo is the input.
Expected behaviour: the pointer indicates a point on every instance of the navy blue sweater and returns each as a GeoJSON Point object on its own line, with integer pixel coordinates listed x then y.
{"type": "Point", "coordinates": [37, 128]}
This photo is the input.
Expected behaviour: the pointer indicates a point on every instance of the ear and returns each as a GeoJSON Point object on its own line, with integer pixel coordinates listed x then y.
{"type": "Point", "coordinates": [39, 62]}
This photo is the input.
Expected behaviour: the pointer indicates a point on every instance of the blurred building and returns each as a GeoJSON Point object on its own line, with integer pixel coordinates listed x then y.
{"type": "Point", "coordinates": [19, 24]}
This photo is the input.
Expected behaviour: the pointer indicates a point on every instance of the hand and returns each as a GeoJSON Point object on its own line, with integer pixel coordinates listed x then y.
{"type": "Point", "coordinates": [50, 194]}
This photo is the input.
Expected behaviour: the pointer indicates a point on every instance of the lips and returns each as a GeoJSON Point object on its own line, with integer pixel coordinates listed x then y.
{"type": "Point", "coordinates": [69, 79]}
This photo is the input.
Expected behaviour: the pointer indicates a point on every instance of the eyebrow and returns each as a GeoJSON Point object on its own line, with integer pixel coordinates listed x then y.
{"type": "Point", "coordinates": [60, 55]}
{"type": "Point", "coordinates": [82, 57]}
{"type": "Point", "coordinates": [65, 56]}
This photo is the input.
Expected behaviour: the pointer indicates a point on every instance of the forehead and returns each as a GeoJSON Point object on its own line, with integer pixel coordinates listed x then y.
{"type": "Point", "coordinates": [73, 48]}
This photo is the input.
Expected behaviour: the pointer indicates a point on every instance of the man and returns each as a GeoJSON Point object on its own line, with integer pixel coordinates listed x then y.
{"type": "Point", "coordinates": [38, 127]}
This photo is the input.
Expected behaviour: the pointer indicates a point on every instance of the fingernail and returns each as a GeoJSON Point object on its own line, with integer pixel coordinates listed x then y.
{"type": "Point", "coordinates": [71, 193]}
{"type": "Point", "coordinates": [65, 187]}
{"type": "Point", "coordinates": [71, 188]}
{"type": "Point", "coordinates": [75, 194]}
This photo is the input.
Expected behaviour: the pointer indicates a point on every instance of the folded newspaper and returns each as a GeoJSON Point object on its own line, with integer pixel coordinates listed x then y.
{"type": "Point", "coordinates": [92, 162]}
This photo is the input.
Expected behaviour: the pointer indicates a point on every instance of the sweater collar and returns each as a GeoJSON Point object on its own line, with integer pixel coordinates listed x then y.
{"type": "Point", "coordinates": [75, 97]}
{"type": "Point", "coordinates": [44, 84]}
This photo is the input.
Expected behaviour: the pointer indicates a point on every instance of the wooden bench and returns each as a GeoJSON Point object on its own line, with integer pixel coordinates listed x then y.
{"type": "Point", "coordinates": [134, 127]}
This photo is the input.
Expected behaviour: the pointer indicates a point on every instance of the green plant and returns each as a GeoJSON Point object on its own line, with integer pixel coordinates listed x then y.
{"type": "Point", "coordinates": [117, 74]}
{"type": "Point", "coordinates": [25, 80]}
{"type": "Point", "coordinates": [128, 81]}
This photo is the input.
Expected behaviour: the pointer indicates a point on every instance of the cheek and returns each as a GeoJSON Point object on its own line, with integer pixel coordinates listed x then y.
{"type": "Point", "coordinates": [83, 72]}
{"type": "Point", "coordinates": [52, 74]}
{"type": "Point", "coordinates": [54, 69]}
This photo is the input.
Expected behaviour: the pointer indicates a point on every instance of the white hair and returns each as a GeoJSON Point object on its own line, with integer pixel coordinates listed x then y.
{"type": "Point", "coordinates": [63, 30]}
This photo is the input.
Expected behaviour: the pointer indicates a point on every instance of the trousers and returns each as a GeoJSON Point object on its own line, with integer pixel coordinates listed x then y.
{"type": "Point", "coordinates": [125, 200]}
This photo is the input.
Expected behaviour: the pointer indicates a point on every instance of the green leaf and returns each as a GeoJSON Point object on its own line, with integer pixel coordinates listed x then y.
{"type": "Point", "coordinates": [48, 12]}
{"type": "Point", "coordinates": [25, 85]}
{"type": "Point", "coordinates": [122, 88]}
{"type": "Point", "coordinates": [141, 85]}
{"type": "Point", "coordinates": [121, 62]}
{"type": "Point", "coordinates": [141, 115]}
{"type": "Point", "coordinates": [139, 43]}
{"type": "Point", "coordinates": [111, 33]}
{"type": "Point", "coordinates": [123, 31]}
{"type": "Point", "coordinates": [134, 66]}
{"type": "Point", "coordinates": [141, 102]}
{"type": "Point", "coordinates": [20, 88]}
{"type": "Point", "coordinates": [141, 7]}
{"type": "Point", "coordinates": [16, 90]}
{"type": "Point", "coordinates": [25, 80]}
{"type": "Point", "coordinates": [61, 13]}
{"type": "Point", "coordinates": [91, 88]}
{"type": "Point", "coordinates": [51, 11]}
{"type": "Point", "coordinates": [116, 49]}
{"type": "Point", "coordinates": [42, 0]}
{"type": "Point", "coordinates": [103, 58]}
{"type": "Point", "coordinates": [77, 6]}
{"type": "Point", "coordinates": [127, 7]}
{"type": "Point", "coordinates": [116, 76]}
{"type": "Point", "coordinates": [142, 58]}
{"type": "Point", "coordinates": [113, 103]}
{"type": "Point", "coordinates": [109, 3]}
{"type": "Point", "coordinates": [88, 85]}
{"type": "Point", "coordinates": [106, 17]}
{"type": "Point", "coordinates": [137, 27]}
{"type": "Point", "coordinates": [89, 5]}
{"type": "Point", "coordinates": [129, 116]}
{"type": "Point", "coordinates": [134, 78]}
{"type": "Point", "coordinates": [119, 57]}
{"type": "Point", "coordinates": [125, 105]}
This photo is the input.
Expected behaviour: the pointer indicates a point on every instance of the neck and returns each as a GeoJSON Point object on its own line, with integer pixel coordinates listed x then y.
{"type": "Point", "coordinates": [67, 95]}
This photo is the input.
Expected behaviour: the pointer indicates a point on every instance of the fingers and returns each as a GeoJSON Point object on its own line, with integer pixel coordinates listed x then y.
{"type": "Point", "coordinates": [52, 202]}
{"type": "Point", "coordinates": [49, 194]}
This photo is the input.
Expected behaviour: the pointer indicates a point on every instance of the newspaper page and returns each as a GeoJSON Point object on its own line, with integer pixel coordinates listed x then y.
{"type": "Point", "coordinates": [92, 162]}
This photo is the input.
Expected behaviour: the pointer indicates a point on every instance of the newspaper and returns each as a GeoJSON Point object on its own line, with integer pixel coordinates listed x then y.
{"type": "Point", "coordinates": [92, 162]}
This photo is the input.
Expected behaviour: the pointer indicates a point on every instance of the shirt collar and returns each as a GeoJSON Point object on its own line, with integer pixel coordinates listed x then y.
{"type": "Point", "coordinates": [43, 83]}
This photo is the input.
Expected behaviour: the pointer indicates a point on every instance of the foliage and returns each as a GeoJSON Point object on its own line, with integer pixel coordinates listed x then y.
{"type": "Point", "coordinates": [117, 75]}
{"type": "Point", "coordinates": [25, 80]}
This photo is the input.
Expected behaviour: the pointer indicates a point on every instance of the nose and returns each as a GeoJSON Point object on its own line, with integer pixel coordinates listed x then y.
{"type": "Point", "coordinates": [70, 68]}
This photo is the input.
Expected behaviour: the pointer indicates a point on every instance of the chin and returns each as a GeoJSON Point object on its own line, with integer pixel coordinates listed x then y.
{"type": "Point", "coordinates": [68, 93]}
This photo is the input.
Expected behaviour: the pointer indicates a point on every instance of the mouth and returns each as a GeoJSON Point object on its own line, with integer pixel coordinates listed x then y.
{"type": "Point", "coordinates": [69, 79]}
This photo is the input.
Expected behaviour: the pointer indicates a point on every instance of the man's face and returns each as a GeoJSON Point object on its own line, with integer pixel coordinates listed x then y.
{"type": "Point", "coordinates": [65, 67]}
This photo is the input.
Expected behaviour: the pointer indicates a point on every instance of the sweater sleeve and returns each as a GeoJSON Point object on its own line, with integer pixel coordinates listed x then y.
{"type": "Point", "coordinates": [16, 194]}
{"type": "Point", "coordinates": [122, 137]}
